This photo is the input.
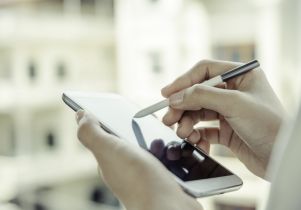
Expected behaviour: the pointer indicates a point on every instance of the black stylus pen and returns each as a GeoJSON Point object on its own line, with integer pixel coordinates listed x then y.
{"type": "Point", "coordinates": [211, 82]}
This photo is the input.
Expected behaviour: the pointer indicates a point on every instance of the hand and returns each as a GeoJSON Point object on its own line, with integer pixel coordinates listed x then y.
{"type": "Point", "coordinates": [248, 111]}
{"type": "Point", "coordinates": [136, 177]}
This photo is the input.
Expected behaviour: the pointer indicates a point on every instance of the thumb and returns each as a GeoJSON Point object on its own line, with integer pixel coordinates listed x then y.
{"type": "Point", "coordinates": [223, 101]}
{"type": "Point", "coordinates": [92, 136]}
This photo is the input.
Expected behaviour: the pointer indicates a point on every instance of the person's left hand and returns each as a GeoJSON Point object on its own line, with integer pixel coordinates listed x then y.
{"type": "Point", "coordinates": [136, 177]}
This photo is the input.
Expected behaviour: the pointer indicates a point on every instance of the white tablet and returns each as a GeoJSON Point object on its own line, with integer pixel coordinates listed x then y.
{"type": "Point", "coordinates": [196, 172]}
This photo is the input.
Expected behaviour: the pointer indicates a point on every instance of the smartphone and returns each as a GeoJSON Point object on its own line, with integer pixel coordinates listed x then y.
{"type": "Point", "coordinates": [195, 171]}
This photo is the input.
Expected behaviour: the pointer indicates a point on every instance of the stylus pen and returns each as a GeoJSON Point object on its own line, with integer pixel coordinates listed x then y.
{"type": "Point", "coordinates": [211, 82]}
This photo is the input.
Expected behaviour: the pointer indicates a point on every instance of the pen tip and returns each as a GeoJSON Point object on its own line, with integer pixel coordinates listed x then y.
{"type": "Point", "coordinates": [137, 115]}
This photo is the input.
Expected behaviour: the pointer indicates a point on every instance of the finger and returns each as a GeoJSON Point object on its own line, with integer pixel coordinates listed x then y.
{"type": "Point", "coordinates": [207, 115]}
{"type": "Point", "coordinates": [185, 126]}
{"type": "Point", "coordinates": [222, 85]}
{"type": "Point", "coordinates": [194, 137]}
{"type": "Point", "coordinates": [191, 118]}
{"type": "Point", "coordinates": [201, 71]}
{"type": "Point", "coordinates": [210, 135]}
{"type": "Point", "coordinates": [204, 146]}
{"type": "Point", "coordinates": [200, 96]}
{"type": "Point", "coordinates": [92, 135]}
{"type": "Point", "coordinates": [172, 116]}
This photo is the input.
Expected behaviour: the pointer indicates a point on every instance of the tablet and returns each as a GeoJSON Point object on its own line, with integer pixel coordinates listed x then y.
{"type": "Point", "coordinates": [196, 172]}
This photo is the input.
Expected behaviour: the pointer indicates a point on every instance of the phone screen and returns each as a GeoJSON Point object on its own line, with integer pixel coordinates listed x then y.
{"type": "Point", "coordinates": [115, 113]}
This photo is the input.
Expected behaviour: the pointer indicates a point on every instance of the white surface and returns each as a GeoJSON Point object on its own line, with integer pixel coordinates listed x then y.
{"type": "Point", "coordinates": [116, 114]}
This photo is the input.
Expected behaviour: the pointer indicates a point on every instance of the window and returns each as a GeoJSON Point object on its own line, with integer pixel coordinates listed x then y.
{"type": "Point", "coordinates": [32, 70]}
{"type": "Point", "coordinates": [236, 52]}
{"type": "Point", "coordinates": [88, 7]}
{"type": "Point", "coordinates": [50, 140]}
{"type": "Point", "coordinates": [61, 70]}
{"type": "Point", "coordinates": [105, 8]}
{"type": "Point", "coordinates": [101, 195]}
{"type": "Point", "coordinates": [97, 195]}
{"type": "Point", "coordinates": [155, 62]}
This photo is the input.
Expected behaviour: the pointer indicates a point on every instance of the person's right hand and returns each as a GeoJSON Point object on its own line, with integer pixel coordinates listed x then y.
{"type": "Point", "coordinates": [248, 110]}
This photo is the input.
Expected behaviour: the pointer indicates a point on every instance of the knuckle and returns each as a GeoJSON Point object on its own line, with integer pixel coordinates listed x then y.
{"type": "Point", "coordinates": [205, 62]}
{"type": "Point", "coordinates": [201, 65]}
{"type": "Point", "coordinates": [192, 97]}
{"type": "Point", "coordinates": [180, 133]}
{"type": "Point", "coordinates": [197, 90]}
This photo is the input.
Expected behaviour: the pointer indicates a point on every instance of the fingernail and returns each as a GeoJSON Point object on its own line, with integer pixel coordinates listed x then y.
{"type": "Point", "coordinates": [194, 137]}
{"type": "Point", "coordinates": [79, 115]}
{"type": "Point", "coordinates": [176, 98]}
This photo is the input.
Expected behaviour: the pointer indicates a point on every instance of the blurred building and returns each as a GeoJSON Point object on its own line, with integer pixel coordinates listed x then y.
{"type": "Point", "coordinates": [133, 47]}
{"type": "Point", "coordinates": [46, 47]}
{"type": "Point", "coordinates": [157, 41]}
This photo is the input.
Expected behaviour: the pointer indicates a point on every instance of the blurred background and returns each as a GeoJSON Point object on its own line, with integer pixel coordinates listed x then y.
{"type": "Point", "coordinates": [132, 47]}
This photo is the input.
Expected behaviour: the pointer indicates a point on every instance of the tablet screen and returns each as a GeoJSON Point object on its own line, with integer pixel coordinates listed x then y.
{"type": "Point", "coordinates": [182, 159]}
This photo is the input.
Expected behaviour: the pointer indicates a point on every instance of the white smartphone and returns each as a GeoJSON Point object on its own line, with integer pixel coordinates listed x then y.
{"type": "Point", "coordinates": [197, 173]}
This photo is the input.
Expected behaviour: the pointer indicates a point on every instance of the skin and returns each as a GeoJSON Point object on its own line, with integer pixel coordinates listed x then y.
{"type": "Point", "coordinates": [248, 111]}
{"type": "Point", "coordinates": [249, 116]}
{"type": "Point", "coordinates": [136, 177]}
